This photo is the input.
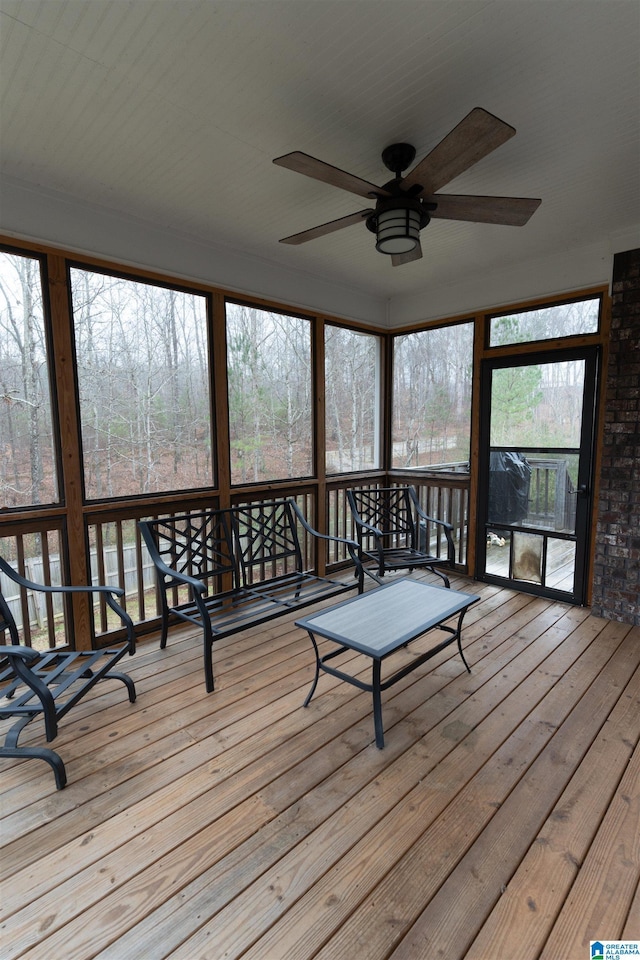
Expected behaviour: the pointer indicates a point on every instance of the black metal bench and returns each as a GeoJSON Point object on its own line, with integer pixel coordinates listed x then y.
{"type": "Point", "coordinates": [49, 684]}
{"type": "Point", "coordinates": [241, 566]}
{"type": "Point", "coordinates": [394, 532]}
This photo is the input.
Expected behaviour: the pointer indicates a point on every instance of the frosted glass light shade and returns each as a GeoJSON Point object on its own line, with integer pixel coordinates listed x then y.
{"type": "Point", "coordinates": [398, 230]}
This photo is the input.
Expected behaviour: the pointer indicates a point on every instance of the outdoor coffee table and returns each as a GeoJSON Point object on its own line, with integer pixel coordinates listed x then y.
{"type": "Point", "coordinates": [381, 621]}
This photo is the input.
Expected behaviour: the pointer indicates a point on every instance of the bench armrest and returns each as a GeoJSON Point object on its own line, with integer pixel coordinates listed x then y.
{"type": "Point", "coordinates": [162, 568]}
{"type": "Point", "coordinates": [351, 545]}
{"type": "Point", "coordinates": [176, 576]}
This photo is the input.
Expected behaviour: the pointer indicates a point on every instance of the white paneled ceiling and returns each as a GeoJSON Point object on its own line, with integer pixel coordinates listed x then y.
{"type": "Point", "coordinates": [171, 111]}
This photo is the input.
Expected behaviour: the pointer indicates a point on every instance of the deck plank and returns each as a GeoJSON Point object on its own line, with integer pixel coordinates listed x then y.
{"type": "Point", "coordinates": [604, 889]}
{"type": "Point", "coordinates": [632, 924]}
{"type": "Point", "coordinates": [237, 824]}
{"type": "Point", "coordinates": [536, 893]}
{"type": "Point", "coordinates": [279, 793]}
{"type": "Point", "coordinates": [458, 796]}
{"type": "Point", "coordinates": [487, 867]}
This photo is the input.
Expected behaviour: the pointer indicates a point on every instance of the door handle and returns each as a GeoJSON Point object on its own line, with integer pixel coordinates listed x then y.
{"type": "Point", "coordinates": [583, 490]}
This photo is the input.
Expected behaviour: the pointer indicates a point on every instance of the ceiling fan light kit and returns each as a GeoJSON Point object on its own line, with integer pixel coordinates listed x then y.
{"type": "Point", "coordinates": [400, 213]}
{"type": "Point", "coordinates": [397, 224]}
{"type": "Point", "coordinates": [398, 219]}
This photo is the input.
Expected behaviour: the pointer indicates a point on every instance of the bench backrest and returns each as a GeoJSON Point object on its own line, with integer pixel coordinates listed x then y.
{"type": "Point", "coordinates": [390, 509]}
{"type": "Point", "coordinates": [250, 542]}
{"type": "Point", "coordinates": [197, 544]}
{"type": "Point", "coordinates": [267, 540]}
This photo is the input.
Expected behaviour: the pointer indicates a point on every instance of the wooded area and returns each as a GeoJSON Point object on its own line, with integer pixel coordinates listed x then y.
{"type": "Point", "coordinates": [432, 378]}
{"type": "Point", "coordinates": [545, 323]}
{"type": "Point", "coordinates": [270, 394]}
{"type": "Point", "coordinates": [144, 384]}
{"type": "Point", "coordinates": [27, 462]}
{"type": "Point", "coordinates": [352, 385]}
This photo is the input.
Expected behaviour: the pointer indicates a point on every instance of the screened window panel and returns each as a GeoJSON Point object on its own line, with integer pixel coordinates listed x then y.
{"type": "Point", "coordinates": [143, 381]}
{"type": "Point", "coordinates": [352, 391]}
{"type": "Point", "coordinates": [545, 323]}
{"type": "Point", "coordinates": [270, 394]}
{"type": "Point", "coordinates": [28, 472]}
{"type": "Point", "coordinates": [432, 379]}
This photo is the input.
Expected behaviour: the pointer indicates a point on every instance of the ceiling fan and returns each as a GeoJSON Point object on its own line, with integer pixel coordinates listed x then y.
{"type": "Point", "coordinates": [406, 204]}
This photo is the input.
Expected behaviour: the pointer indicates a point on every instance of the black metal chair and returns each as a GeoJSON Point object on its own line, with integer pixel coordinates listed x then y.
{"type": "Point", "coordinates": [51, 682]}
{"type": "Point", "coordinates": [395, 533]}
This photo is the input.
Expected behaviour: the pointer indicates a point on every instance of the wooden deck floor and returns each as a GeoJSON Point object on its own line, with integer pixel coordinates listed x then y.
{"type": "Point", "coordinates": [500, 822]}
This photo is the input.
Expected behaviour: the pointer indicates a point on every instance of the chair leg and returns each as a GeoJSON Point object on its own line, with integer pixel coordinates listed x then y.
{"type": "Point", "coordinates": [128, 682]}
{"type": "Point", "coordinates": [440, 574]}
{"type": "Point", "coordinates": [39, 753]}
{"type": "Point", "coordinates": [164, 616]}
{"type": "Point", "coordinates": [208, 666]}
{"type": "Point", "coordinates": [374, 576]}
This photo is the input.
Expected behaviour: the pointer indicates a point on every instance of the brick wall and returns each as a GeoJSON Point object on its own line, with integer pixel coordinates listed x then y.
{"type": "Point", "coordinates": [616, 585]}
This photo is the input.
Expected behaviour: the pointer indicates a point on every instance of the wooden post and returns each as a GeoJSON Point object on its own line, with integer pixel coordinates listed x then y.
{"type": "Point", "coordinates": [319, 439]}
{"type": "Point", "coordinates": [71, 482]}
{"type": "Point", "coordinates": [219, 399]}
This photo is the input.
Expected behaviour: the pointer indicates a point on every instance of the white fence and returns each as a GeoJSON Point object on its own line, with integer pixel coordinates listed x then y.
{"type": "Point", "coordinates": [34, 570]}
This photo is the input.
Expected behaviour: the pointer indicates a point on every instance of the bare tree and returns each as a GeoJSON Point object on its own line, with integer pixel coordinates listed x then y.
{"type": "Point", "coordinates": [269, 376]}
{"type": "Point", "coordinates": [144, 385]}
{"type": "Point", "coordinates": [351, 389]}
{"type": "Point", "coordinates": [24, 385]}
{"type": "Point", "coordinates": [432, 396]}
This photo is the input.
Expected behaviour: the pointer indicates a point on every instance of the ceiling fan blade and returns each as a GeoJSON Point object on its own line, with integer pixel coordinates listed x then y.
{"type": "Point", "coordinates": [398, 259]}
{"type": "Point", "coordinates": [474, 138]}
{"type": "Point", "coordinates": [510, 211]}
{"type": "Point", "coordinates": [310, 167]}
{"type": "Point", "coordinates": [326, 228]}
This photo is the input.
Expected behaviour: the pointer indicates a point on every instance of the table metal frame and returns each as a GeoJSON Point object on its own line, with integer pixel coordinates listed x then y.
{"type": "Point", "coordinates": [313, 625]}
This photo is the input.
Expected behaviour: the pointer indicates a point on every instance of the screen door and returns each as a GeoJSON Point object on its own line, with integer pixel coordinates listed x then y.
{"type": "Point", "coordinates": [536, 471]}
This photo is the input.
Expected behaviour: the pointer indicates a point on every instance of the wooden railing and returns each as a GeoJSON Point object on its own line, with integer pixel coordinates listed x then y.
{"type": "Point", "coordinates": [443, 495]}
{"type": "Point", "coordinates": [118, 556]}
{"type": "Point", "coordinates": [43, 620]}
{"type": "Point", "coordinates": [552, 498]}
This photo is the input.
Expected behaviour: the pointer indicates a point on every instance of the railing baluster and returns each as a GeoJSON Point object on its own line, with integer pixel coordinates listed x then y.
{"type": "Point", "coordinates": [24, 600]}
{"type": "Point", "coordinates": [46, 569]}
{"type": "Point", "coordinates": [102, 607]}
{"type": "Point", "coordinates": [140, 574]}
